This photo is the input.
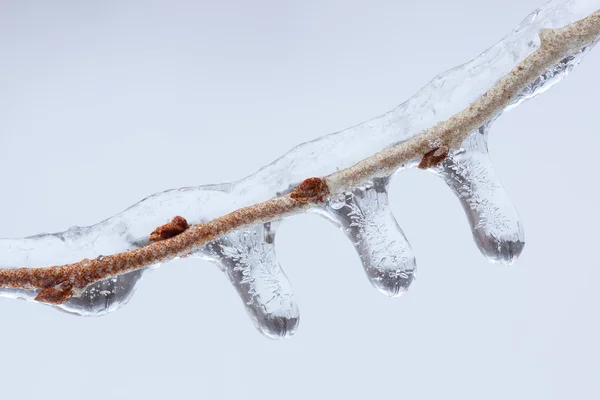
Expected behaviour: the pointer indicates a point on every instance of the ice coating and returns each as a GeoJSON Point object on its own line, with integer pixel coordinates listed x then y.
{"type": "Point", "coordinates": [390, 269]}
{"type": "Point", "coordinates": [123, 232]}
{"type": "Point", "coordinates": [98, 299]}
{"type": "Point", "coordinates": [494, 221]}
{"type": "Point", "coordinates": [247, 257]}
{"type": "Point", "coordinates": [365, 217]}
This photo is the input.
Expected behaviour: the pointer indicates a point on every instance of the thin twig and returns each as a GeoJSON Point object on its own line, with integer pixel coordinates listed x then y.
{"type": "Point", "coordinates": [59, 283]}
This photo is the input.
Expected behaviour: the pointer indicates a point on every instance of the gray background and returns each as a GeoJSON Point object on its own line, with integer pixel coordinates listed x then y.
{"type": "Point", "coordinates": [95, 95]}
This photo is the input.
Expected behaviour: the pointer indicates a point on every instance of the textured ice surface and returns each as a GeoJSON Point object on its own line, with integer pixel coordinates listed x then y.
{"type": "Point", "coordinates": [364, 216]}
{"type": "Point", "coordinates": [494, 221]}
{"type": "Point", "coordinates": [248, 257]}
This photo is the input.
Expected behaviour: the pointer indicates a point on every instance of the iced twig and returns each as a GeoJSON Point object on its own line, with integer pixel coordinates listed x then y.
{"type": "Point", "coordinates": [59, 283]}
{"type": "Point", "coordinates": [556, 44]}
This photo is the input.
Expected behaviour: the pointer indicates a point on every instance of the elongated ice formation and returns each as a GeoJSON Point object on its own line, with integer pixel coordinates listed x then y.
{"type": "Point", "coordinates": [248, 258]}
{"type": "Point", "coordinates": [365, 217]}
{"type": "Point", "coordinates": [494, 221]}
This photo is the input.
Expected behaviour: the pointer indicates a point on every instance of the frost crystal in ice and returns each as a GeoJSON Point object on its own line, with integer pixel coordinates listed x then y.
{"type": "Point", "coordinates": [493, 218]}
{"type": "Point", "coordinates": [365, 217]}
{"type": "Point", "coordinates": [248, 257]}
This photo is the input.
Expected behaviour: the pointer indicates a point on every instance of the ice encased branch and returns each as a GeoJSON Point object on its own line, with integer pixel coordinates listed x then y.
{"type": "Point", "coordinates": [247, 257]}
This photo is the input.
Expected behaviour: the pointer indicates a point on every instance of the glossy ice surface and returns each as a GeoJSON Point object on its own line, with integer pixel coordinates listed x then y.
{"type": "Point", "coordinates": [248, 257]}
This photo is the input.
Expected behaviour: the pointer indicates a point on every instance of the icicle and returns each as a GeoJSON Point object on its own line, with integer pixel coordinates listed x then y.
{"type": "Point", "coordinates": [365, 217]}
{"type": "Point", "coordinates": [494, 221]}
{"type": "Point", "coordinates": [248, 259]}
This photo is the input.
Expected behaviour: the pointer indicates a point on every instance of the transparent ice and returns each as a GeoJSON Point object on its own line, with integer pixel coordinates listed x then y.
{"type": "Point", "coordinates": [248, 257]}
{"type": "Point", "coordinates": [494, 220]}
{"type": "Point", "coordinates": [364, 215]}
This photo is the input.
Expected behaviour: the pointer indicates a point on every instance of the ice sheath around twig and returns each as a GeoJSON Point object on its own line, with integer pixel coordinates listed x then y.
{"type": "Point", "coordinates": [247, 256]}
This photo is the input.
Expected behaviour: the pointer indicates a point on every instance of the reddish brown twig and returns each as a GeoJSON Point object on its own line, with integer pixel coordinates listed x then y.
{"type": "Point", "coordinates": [59, 283]}
{"type": "Point", "coordinates": [175, 239]}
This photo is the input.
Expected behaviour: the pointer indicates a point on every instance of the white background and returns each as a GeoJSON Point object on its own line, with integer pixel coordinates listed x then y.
{"type": "Point", "coordinates": [94, 96]}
